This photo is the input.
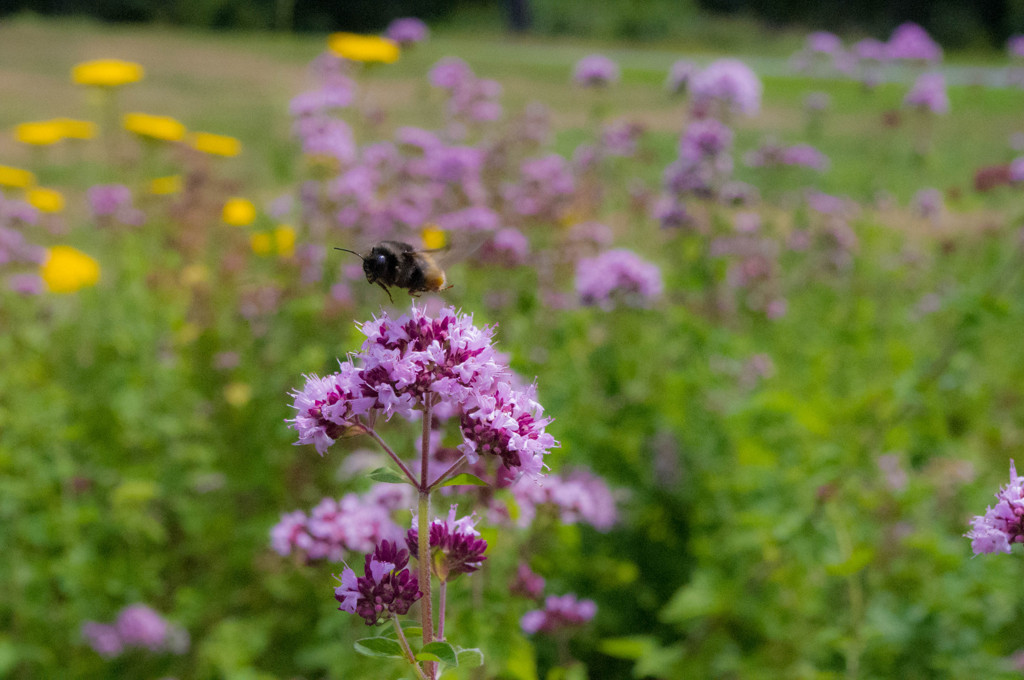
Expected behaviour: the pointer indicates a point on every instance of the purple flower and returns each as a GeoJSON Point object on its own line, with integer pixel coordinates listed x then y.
{"type": "Point", "coordinates": [928, 203]}
{"type": "Point", "coordinates": [595, 70]}
{"type": "Point", "coordinates": [526, 583]}
{"type": "Point", "coordinates": [558, 613]}
{"type": "Point", "coordinates": [450, 73]}
{"type": "Point", "coordinates": [26, 284]}
{"type": "Point", "coordinates": [824, 42]}
{"type": "Point", "coordinates": [470, 219]}
{"type": "Point", "coordinates": [727, 84]}
{"type": "Point", "coordinates": [455, 546]}
{"type": "Point", "coordinates": [329, 408]}
{"type": "Point", "coordinates": [509, 247]}
{"type": "Point", "coordinates": [114, 202]}
{"type": "Point", "coordinates": [618, 275]}
{"type": "Point", "coordinates": [1015, 46]}
{"type": "Point", "coordinates": [334, 527]}
{"type": "Point", "coordinates": [140, 626]}
{"type": "Point", "coordinates": [705, 139]}
{"type": "Point", "coordinates": [387, 587]}
{"type": "Point", "coordinates": [103, 639]}
{"type": "Point", "coordinates": [929, 94]}
{"type": "Point", "coordinates": [680, 75]}
{"type": "Point", "coordinates": [580, 496]}
{"type": "Point", "coordinates": [546, 185]}
{"type": "Point", "coordinates": [871, 50]}
{"type": "Point", "coordinates": [910, 42]}
{"type": "Point", "coordinates": [337, 95]}
{"type": "Point", "coordinates": [1002, 525]}
{"type": "Point", "coordinates": [804, 155]}
{"type": "Point", "coordinates": [620, 138]}
{"type": "Point", "coordinates": [508, 424]}
{"type": "Point", "coordinates": [407, 31]}
{"type": "Point", "coordinates": [1017, 169]}
{"type": "Point", "coordinates": [671, 213]}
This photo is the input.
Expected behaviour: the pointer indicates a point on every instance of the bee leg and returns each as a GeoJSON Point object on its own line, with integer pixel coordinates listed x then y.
{"type": "Point", "coordinates": [385, 288]}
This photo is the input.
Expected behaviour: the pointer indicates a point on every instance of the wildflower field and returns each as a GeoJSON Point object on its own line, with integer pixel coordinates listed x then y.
{"type": "Point", "coordinates": [721, 375]}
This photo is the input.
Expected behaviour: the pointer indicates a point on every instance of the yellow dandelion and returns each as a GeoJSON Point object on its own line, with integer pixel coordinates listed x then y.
{"type": "Point", "coordinates": [164, 186]}
{"type": "Point", "coordinates": [66, 270]}
{"type": "Point", "coordinates": [16, 177]}
{"type": "Point", "coordinates": [45, 200]}
{"type": "Point", "coordinates": [41, 133]}
{"type": "Point", "coordinates": [75, 129]}
{"type": "Point", "coordinates": [433, 237]}
{"type": "Point", "coordinates": [106, 73]}
{"type": "Point", "coordinates": [284, 240]}
{"type": "Point", "coordinates": [216, 145]}
{"type": "Point", "coordinates": [163, 128]}
{"type": "Point", "coordinates": [239, 212]}
{"type": "Point", "coordinates": [237, 394]}
{"type": "Point", "coordinates": [365, 48]}
{"type": "Point", "coordinates": [261, 243]}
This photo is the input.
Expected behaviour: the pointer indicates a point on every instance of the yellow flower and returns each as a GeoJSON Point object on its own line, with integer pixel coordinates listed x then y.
{"type": "Point", "coordinates": [433, 237]}
{"type": "Point", "coordinates": [261, 243]}
{"type": "Point", "coordinates": [16, 177]}
{"type": "Point", "coordinates": [66, 270]}
{"type": "Point", "coordinates": [366, 48]}
{"type": "Point", "coordinates": [45, 200]}
{"type": "Point", "coordinates": [155, 127]}
{"type": "Point", "coordinates": [163, 186]}
{"type": "Point", "coordinates": [75, 129]}
{"type": "Point", "coordinates": [41, 133]}
{"type": "Point", "coordinates": [284, 238]}
{"type": "Point", "coordinates": [106, 72]}
{"type": "Point", "coordinates": [239, 212]}
{"type": "Point", "coordinates": [218, 145]}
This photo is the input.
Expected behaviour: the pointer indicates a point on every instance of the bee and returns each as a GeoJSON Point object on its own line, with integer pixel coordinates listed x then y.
{"type": "Point", "coordinates": [395, 263]}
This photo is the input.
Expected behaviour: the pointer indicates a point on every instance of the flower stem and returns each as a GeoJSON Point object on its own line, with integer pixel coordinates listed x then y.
{"type": "Point", "coordinates": [423, 529]}
{"type": "Point", "coordinates": [405, 646]}
{"type": "Point", "coordinates": [442, 597]}
{"type": "Point", "coordinates": [394, 456]}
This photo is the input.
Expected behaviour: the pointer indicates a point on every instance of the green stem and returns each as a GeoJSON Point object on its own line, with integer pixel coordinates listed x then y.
{"type": "Point", "coordinates": [394, 456]}
{"type": "Point", "coordinates": [423, 544]}
{"type": "Point", "coordinates": [410, 657]}
{"type": "Point", "coordinates": [447, 473]}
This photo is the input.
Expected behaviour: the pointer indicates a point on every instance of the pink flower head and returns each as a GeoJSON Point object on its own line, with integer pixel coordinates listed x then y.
{"type": "Point", "coordinates": [455, 545]}
{"type": "Point", "coordinates": [910, 42]}
{"type": "Point", "coordinates": [1017, 169]}
{"type": "Point", "coordinates": [114, 202]}
{"type": "Point", "coordinates": [526, 583]}
{"type": "Point", "coordinates": [140, 626]}
{"type": "Point", "coordinates": [407, 31]}
{"type": "Point", "coordinates": [509, 247]}
{"type": "Point", "coordinates": [929, 94]}
{"type": "Point", "coordinates": [704, 140]}
{"type": "Point", "coordinates": [824, 42]}
{"type": "Point", "coordinates": [618, 275]}
{"type": "Point", "coordinates": [450, 73]}
{"type": "Point", "coordinates": [578, 497]}
{"type": "Point", "coordinates": [559, 612]}
{"type": "Point", "coordinates": [680, 75]}
{"type": "Point", "coordinates": [386, 587]}
{"type": "Point", "coordinates": [1002, 525]}
{"type": "Point", "coordinates": [103, 639]}
{"type": "Point", "coordinates": [595, 70]}
{"type": "Point", "coordinates": [728, 84]}
{"type": "Point", "coordinates": [871, 50]}
{"type": "Point", "coordinates": [1015, 46]}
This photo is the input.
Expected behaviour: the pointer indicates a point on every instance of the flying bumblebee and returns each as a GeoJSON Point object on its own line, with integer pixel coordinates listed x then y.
{"type": "Point", "coordinates": [395, 263]}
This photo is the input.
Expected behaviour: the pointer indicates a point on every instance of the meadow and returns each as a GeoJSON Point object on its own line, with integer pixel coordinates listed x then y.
{"type": "Point", "coordinates": [776, 331]}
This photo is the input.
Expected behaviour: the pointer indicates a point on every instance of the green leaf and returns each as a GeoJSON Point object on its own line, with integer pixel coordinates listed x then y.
{"type": "Point", "coordinates": [439, 650]}
{"type": "Point", "coordinates": [630, 647]}
{"type": "Point", "coordinates": [465, 479]}
{"type": "Point", "coordinates": [470, 658]}
{"type": "Point", "coordinates": [379, 646]}
{"type": "Point", "coordinates": [388, 475]}
{"type": "Point", "coordinates": [413, 631]}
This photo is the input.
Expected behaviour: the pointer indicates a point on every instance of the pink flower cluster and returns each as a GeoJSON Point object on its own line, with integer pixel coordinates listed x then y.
{"type": "Point", "coordinates": [137, 627]}
{"type": "Point", "coordinates": [726, 86]}
{"type": "Point", "coordinates": [910, 42]}
{"type": "Point", "coordinates": [471, 100]}
{"type": "Point", "coordinates": [800, 155]}
{"type": "Point", "coordinates": [112, 203]}
{"type": "Point", "coordinates": [559, 613]}
{"type": "Point", "coordinates": [578, 497]}
{"type": "Point", "coordinates": [387, 587]}
{"type": "Point", "coordinates": [407, 31]}
{"type": "Point", "coordinates": [17, 252]}
{"type": "Point", "coordinates": [929, 94]}
{"type": "Point", "coordinates": [415, 359]}
{"type": "Point", "coordinates": [455, 545]}
{"type": "Point", "coordinates": [595, 70]}
{"type": "Point", "coordinates": [618, 276]}
{"type": "Point", "coordinates": [1003, 525]}
{"type": "Point", "coordinates": [334, 528]}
